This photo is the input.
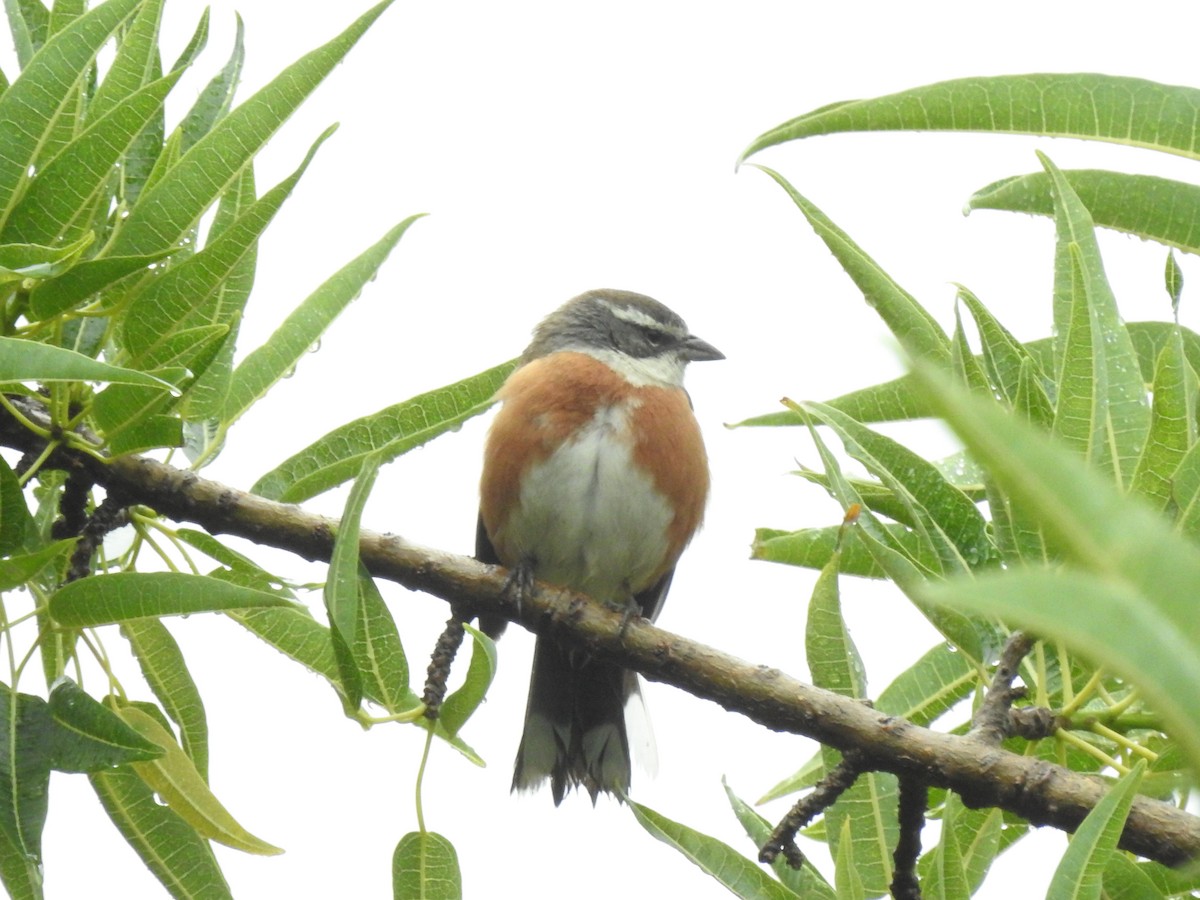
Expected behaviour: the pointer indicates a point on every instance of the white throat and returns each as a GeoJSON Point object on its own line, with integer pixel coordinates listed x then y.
{"type": "Point", "coordinates": [659, 371]}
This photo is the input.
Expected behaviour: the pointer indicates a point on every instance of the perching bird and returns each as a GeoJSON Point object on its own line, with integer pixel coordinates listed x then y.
{"type": "Point", "coordinates": [594, 478]}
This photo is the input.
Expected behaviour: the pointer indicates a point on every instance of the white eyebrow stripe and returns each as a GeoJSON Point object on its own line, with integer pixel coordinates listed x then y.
{"type": "Point", "coordinates": [635, 316]}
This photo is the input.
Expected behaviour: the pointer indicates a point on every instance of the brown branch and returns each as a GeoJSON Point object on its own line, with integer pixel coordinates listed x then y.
{"type": "Point", "coordinates": [983, 775]}
{"type": "Point", "coordinates": [914, 800]}
{"type": "Point", "coordinates": [836, 782]}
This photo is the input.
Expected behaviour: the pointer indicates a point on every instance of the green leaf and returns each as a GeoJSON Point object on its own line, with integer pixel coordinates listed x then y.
{"type": "Point", "coordinates": [806, 882]}
{"type": "Point", "coordinates": [133, 595]}
{"type": "Point", "coordinates": [741, 876]}
{"type": "Point", "coordinates": [336, 457]}
{"type": "Point", "coordinates": [425, 865]}
{"type": "Point", "coordinates": [1102, 405]}
{"type": "Point", "coordinates": [29, 263]}
{"type": "Point", "coordinates": [59, 294]}
{"type": "Point", "coordinates": [64, 12]}
{"type": "Point", "coordinates": [931, 686]}
{"type": "Point", "coordinates": [1185, 490]}
{"type": "Point", "coordinates": [26, 755]}
{"type": "Point", "coordinates": [29, 21]}
{"type": "Point", "coordinates": [205, 399]}
{"type": "Point", "coordinates": [17, 570]}
{"type": "Point", "coordinates": [1003, 357]}
{"type": "Point", "coordinates": [30, 105]}
{"type": "Point", "coordinates": [462, 703]}
{"type": "Point", "coordinates": [947, 519]}
{"type": "Point", "coordinates": [17, 527]}
{"type": "Point", "coordinates": [1125, 880]}
{"type": "Point", "coordinates": [176, 781]}
{"type": "Point", "coordinates": [812, 548]}
{"type": "Point", "coordinates": [189, 295]}
{"type": "Point", "coordinates": [1080, 874]}
{"type": "Point", "coordinates": [215, 101]}
{"type": "Point", "coordinates": [1150, 207]}
{"type": "Point", "coordinates": [912, 325]}
{"type": "Point", "coordinates": [862, 813]}
{"type": "Point", "coordinates": [1101, 107]}
{"type": "Point", "coordinates": [296, 634]}
{"type": "Point", "coordinates": [179, 857]}
{"type": "Point", "coordinates": [90, 737]}
{"type": "Point", "coordinates": [943, 870]}
{"type": "Point", "coordinates": [1132, 601]}
{"type": "Point", "coordinates": [304, 327]}
{"type": "Point", "coordinates": [342, 593]}
{"type": "Point", "coordinates": [378, 653]}
{"type": "Point", "coordinates": [163, 666]}
{"type": "Point", "coordinates": [61, 200]}
{"type": "Point", "coordinates": [900, 399]}
{"type": "Point", "coordinates": [865, 816]}
{"type": "Point", "coordinates": [833, 660]}
{"type": "Point", "coordinates": [1172, 425]}
{"type": "Point", "coordinates": [1173, 275]}
{"type": "Point", "coordinates": [847, 875]}
{"type": "Point", "coordinates": [808, 775]}
{"type": "Point", "coordinates": [22, 360]}
{"type": "Point", "coordinates": [169, 208]}
{"type": "Point", "coordinates": [136, 62]}
{"type": "Point", "coordinates": [971, 637]}
{"type": "Point", "coordinates": [20, 875]}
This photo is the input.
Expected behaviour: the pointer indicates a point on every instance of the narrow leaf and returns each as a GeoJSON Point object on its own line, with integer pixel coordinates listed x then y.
{"type": "Point", "coordinates": [60, 201]}
{"type": "Point", "coordinates": [302, 329]}
{"type": "Point", "coordinates": [26, 739]}
{"type": "Point", "coordinates": [59, 294]}
{"type": "Point", "coordinates": [336, 457]}
{"type": "Point", "coordinates": [17, 528]}
{"type": "Point", "coordinates": [23, 361]}
{"type": "Point", "coordinates": [459, 706]}
{"type": "Point", "coordinates": [730, 869]}
{"type": "Point", "coordinates": [89, 736]}
{"type": "Point", "coordinates": [179, 857]}
{"type": "Point", "coordinates": [1172, 425]}
{"type": "Point", "coordinates": [29, 106]}
{"type": "Point", "coordinates": [378, 653]}
{"type": "Point", "coordinates": [180, 786]}
{"type": "Point", "coordinates": [912, 325]}
{"type": "Point", "coordinates": [1101, 107]}
{"type": "Point", "coordinates": [163, 666]}
{"type": "Point", "coordinates": [172, 206]}
{"type": "Point", "coordinates": [1121, 413]}
{"type": "Point", "coordinates": [807, 882]}
{"type": "Point", "coordinates": [342, 593]}
{"type": "Point", "coordinates": [1150, 207]}
{"type": "Point", "coordinates": [189, 294]}
{"type": "Point", "coordinates": [133, 595]}
{"type": "Point", "coordinates": [1080, 874]}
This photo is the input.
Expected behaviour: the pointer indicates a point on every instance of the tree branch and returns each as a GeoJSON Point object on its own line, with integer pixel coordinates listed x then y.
{"type": "Point", "coordinates": [983, 775]}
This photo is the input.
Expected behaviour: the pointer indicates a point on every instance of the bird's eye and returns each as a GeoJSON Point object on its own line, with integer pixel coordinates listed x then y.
{"type": "Point", "coordinates": [655, 338]}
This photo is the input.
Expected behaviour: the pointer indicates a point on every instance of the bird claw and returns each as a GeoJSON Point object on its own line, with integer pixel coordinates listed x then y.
{"type": "Point", "coordinates": [520, 583]}
{"type": "Point", "coordinates": [632, 610]}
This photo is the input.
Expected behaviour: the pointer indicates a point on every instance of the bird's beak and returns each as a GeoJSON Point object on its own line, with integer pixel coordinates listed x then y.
{"type": "Point", "coordinates": [696, 350]}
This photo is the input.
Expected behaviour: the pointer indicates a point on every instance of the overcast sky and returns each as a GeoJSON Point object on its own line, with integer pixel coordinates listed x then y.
{"type": "Point", "coordinates": [561, 147]}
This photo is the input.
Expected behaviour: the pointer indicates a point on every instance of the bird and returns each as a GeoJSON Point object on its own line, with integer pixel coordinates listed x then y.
{"type": "Point", "coordinates": [595, 478]}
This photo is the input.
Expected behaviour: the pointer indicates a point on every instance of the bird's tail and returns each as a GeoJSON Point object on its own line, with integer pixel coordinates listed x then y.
{"type": "Point", "coordinates": [575, 732]}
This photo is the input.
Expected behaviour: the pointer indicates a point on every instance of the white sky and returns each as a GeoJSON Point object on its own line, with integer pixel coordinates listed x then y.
{"type": "Point", "coordinates": [562, 147]}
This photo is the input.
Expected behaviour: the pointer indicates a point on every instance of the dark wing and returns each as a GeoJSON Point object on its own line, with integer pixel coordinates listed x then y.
{"type": "Point", "coordinates": [492, 626]}
{"type": "Point", "coordinates": [651, 600]}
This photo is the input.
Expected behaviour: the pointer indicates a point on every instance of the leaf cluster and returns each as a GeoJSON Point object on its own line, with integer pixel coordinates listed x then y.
{"type": "Point", "coordinates": [1070, 513]}
{"type": "Point", "coordinates": [128, 250]}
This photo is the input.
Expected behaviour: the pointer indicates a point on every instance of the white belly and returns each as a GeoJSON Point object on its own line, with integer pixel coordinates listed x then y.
{"type": "Point", "coordinates": [588, 518]}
